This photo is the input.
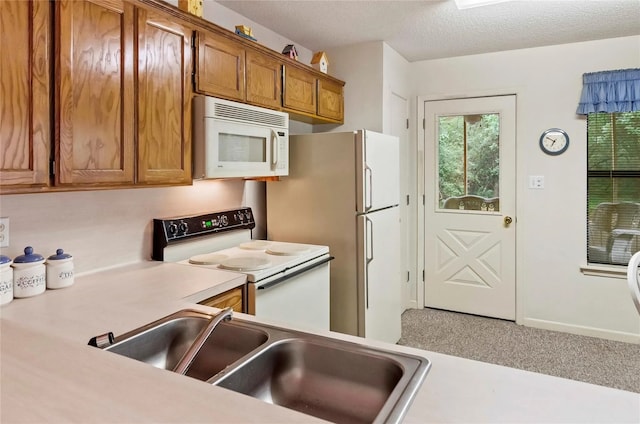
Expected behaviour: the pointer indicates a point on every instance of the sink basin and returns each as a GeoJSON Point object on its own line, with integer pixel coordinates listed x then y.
{"type": "Point", "coordinates": [335, 380]}
{"type": "Point", "coordinates": [162, 343]}
{"type": "Point", "coordinates": [336, 383]}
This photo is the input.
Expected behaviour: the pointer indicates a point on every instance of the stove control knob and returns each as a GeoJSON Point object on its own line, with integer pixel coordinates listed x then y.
{"type": "Point", "coordinates": [183, 227]}
{"type": "Point", "coordinates": [173, 229]}
{"type": "Point", "coordinates": [224, 220]}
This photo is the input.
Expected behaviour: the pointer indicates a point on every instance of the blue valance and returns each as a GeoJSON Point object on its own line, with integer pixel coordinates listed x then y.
{"type": "Point", "coordinates": [610, 91]}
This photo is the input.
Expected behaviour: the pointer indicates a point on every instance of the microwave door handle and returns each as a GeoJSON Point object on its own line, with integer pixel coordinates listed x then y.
{"type": "Point", "coordinates": [274, 148]}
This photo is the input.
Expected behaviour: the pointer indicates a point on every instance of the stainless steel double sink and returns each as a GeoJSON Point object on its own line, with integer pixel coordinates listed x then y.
{"type": "Point", "coordinates": [334, 380]}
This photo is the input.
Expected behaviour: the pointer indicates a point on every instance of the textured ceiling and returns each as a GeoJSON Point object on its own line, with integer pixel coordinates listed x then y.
{"type": "Point", "coordinates": [431, 29]}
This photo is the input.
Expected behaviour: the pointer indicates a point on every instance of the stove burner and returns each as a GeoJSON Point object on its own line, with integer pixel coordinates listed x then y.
{"type": "Point", "coordinates": [287, 250]}
{"type": "Point", "coordinates": [207, 259]}
{"type": "Point", "coordinates": [255, 245]}
{"type": "Point", "coordinates": [245, 263]}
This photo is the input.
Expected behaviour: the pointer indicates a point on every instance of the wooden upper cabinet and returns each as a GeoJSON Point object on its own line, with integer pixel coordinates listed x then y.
{"type": "Point", "coordinates": [25, 141]}
{"type": "Point", "coordinates": [299, 91]}
{"type": "Point", "coordinates": [95, 101]}
{"type": "Point", "coordinates": [220, 67]}
{"type": "Point", "coordinates": [164, 99]}
{"type": "Point", "coordinates": [227, 69]}
{"type": "Point", "coordinates": [264, 80]}
{"type": "Point", "coordinates": [236, 70]}
{"type": "Point", "coordinates": [330, 99]}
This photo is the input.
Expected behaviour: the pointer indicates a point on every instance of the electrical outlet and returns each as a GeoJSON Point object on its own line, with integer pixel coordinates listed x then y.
{"type": "Point", "coordinates": [4, 232]}
{"type": "Point", "coordinates": [536, 181]}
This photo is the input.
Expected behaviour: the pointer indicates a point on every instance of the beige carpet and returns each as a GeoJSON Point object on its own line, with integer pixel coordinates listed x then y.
{"type": "Point", "coordinates": [592, 360]}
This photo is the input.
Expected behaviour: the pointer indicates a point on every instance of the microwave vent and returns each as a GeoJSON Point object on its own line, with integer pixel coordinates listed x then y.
{"type": "Point", "coordinates": [227, 111]}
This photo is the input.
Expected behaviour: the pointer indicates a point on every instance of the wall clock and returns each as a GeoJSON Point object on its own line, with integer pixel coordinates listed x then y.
{"type": "Point", "coordinates": [554, 141]}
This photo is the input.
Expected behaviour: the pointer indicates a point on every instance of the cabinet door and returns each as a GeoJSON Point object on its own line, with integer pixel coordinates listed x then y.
{"type": "Point", "coordinates": [299, 90]}
{"type": "Point", "coordinates": [25, 141]}
{"type": "Point", "coordinates": [164, 99]}
{"type": "Point", "coordinates": [330, 100]}
{"type": "Point", "coordinates": [95, 103]}
{"type": "Point", "coordinates": [264, 80]}
{"type": "Point", "coordinates": [220, 67]}
{"type": "Point", "coordinates": [232, 298]}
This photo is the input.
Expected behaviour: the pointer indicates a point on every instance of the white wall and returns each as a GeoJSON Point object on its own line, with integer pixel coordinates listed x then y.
{"type": "Point", "coordinates": [551, 223]}
{"type": "Point", "coordinates": [361, 67]}
{"type": "Point", "coordinates": [106, 228]}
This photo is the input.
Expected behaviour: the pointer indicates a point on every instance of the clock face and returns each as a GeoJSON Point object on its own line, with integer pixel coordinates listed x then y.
{"type": "Point", "coordinates": [554, 141]}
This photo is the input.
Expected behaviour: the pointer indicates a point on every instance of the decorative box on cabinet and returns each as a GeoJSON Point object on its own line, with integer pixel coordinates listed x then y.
{"type": "Point", "coordinates": [25, 136]}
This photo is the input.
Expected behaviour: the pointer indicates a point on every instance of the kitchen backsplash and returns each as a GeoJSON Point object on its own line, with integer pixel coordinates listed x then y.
{"type": "Point", "coordinates": [108, 228]}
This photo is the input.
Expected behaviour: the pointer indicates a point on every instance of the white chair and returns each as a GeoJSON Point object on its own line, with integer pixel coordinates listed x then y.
{"type": "Point", "coordinates": [633, 277]}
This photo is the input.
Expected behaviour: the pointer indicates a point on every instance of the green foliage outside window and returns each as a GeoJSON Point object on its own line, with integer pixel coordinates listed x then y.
{"type": "Point", "coordinates": [480, 134]}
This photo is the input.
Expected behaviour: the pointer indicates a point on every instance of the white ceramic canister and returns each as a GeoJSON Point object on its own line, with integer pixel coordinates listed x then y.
{"type": "Point", "coordinates": [29, 274]}
{"type": "Point", "coordinates": [59, 270]}
{"type": "Point", "coordinates": [6, 280]}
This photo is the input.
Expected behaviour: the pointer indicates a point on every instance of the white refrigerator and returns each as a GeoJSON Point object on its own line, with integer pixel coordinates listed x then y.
{"type": "Point", "coordinates": [343, 191]}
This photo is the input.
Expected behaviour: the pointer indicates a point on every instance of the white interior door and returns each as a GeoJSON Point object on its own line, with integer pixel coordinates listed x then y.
{"type": "Point", "coordinates": [400, 128]}
{"type": "Point", "coordinates": [470, 205]}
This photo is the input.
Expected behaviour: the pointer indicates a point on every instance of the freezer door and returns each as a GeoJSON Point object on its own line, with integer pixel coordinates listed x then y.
{"type": "Point", "coordinates": [377, 170]}
{"type": "Point", "coordinates": [379, 275]}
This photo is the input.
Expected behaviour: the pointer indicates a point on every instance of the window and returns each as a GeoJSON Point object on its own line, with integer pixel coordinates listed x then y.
{"type": "Point", "coordinates": [469, 162]}
{"type": "Point", "coordinates": [613, 187]}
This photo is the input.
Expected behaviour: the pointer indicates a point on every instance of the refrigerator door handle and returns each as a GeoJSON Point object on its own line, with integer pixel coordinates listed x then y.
{"type": "Point", "coordinates": [368, 200]}
{"type": "Point", "coordinates": [369, 256]}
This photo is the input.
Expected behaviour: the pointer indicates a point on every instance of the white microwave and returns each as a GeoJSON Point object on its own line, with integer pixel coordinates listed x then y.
{"type": "Point", "coordinates": [232, 140]}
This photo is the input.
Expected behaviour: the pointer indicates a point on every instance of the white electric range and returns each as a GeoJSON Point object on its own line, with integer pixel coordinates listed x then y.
{"type": "Point", "coordinates": [287, 282]}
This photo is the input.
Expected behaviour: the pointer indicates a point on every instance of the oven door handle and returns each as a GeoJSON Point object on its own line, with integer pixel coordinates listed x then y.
{"type": "Point", "coordinates": [294, 273]}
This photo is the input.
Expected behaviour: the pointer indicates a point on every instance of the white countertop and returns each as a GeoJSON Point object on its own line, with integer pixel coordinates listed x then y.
{"type": "Point", "coordinates": [49, 374]}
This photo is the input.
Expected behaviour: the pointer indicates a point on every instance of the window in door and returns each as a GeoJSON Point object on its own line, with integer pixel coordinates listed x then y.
{"type": "Point", "coordinates": [613, 187]}
{"type": "Point", "coordinates": [469, 162]}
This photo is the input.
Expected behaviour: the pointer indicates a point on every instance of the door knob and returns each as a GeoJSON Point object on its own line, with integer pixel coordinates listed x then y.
{"type": "Point", "coordinates": [507, 220]}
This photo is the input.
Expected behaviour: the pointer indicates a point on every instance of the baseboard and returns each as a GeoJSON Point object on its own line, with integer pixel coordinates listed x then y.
{"type": "Point", "coordinates": [582, 330]}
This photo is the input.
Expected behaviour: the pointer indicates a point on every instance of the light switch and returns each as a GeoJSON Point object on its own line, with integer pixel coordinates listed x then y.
{"type": "Point", "coordinates": [536, 181]}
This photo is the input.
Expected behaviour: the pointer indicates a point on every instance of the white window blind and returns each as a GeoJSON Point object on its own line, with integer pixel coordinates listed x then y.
{"type": "Point", "coordinates": [613, 187]}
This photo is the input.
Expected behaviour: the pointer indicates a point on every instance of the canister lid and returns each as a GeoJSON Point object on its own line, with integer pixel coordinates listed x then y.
{"type": "Point", "coordinates": [4, 259]}
{"type": "Point", "coordinates": [60, 255]}
{"type": "Point", "coordinates": [28, 256]}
